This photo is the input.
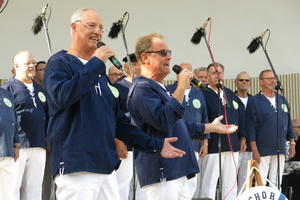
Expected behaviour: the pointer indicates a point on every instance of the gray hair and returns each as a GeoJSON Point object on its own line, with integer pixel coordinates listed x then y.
{"type": "Point", "coordinates": [200, 69]}
{"type": "Point", "coordinates": [78, 13]}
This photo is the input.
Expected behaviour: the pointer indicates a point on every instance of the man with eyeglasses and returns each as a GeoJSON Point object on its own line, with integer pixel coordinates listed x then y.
{"type": "Point", "coordinates": [39, 73]}
{"type": "Point", "coordinates": [159, 113]}
{"type": "Point", "coordinates": [114, 74]}
{"type": "Point", "coordinates": [242, 83]}
{"type": "Point", "coordinates": [31, 108]}
{"type": "Point", "coordinates": [85, 117]}
{"type": "Point", "coordinates": [266, 118]}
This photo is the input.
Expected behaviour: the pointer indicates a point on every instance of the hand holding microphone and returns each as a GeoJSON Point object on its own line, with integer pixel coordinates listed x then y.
{"type": "Point", "coordinates": [107, 54]}
{"type": "Point", "coordinates": [177, 69]}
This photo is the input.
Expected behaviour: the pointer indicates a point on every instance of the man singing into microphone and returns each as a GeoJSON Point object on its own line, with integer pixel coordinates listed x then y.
{"type": "Point", "coordinates": [85, 117]}
{"type": "Point", "coordinates": [159, 113]}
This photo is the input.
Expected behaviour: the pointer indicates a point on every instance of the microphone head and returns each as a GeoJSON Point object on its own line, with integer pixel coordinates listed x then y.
{"type": "Point", "coordinates": [197, 36]}
{"type": "Point", "coordinates": [99, 44]}
{"type": "Point", "coordinates": [115, 30]}
{"type": "Point", "coordinates": [37, 25]}
{"type": "Point", "coordinates": [177, 69]}
{"type": "Point", "coordinates": [254, 45]}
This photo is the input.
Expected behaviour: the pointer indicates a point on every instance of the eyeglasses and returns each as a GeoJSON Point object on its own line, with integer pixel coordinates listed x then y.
{"type": "Point", "coordinates": [296, 126]}
{"type": "Point", "coordinates": [162, 53]}
{"type": "Point", "coordinates": [117, 74]}
{"type": "Point", "coordinates": [92, 27]}
{"type": "Point", "coordinates": [242, 80]}
{"type": "Point", "coordinates": [41, 70]}
{"type": "Point", "coordinates": [269, 78]}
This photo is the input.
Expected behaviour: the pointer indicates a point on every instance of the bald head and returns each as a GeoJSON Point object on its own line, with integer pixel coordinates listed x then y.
{"type": "Point", "coordinates": [187, 66]}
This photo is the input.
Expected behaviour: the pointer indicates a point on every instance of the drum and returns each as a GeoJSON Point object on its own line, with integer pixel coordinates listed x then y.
{"type": "Point", "coordinates": [262, 193]}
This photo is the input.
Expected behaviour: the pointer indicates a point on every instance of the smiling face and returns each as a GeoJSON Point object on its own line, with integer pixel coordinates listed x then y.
{"type": "Point", "coordinates": [87, 31]}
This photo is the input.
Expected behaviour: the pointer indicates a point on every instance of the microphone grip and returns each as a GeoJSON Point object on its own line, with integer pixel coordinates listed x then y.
{"type": "Point", "coordinates": [177, 69]}
{"type": "Point", "coordinates": [112, 59]}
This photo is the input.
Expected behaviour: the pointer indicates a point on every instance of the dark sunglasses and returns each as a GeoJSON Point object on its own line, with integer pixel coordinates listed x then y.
{"type": "Point", "coordinates": [162, 53]}
{"type": "Point", "coordinates": [242, 80]}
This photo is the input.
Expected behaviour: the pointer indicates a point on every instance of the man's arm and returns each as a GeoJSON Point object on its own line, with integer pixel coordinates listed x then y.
{"type": "Point", "coordinates": [255, 152]}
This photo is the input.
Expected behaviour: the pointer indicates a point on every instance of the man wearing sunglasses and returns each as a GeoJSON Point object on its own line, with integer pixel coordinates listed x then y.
{"type": "Point", "coordinates": [159, 113]}
{"type": "Point", "coordinates": [242, 83]}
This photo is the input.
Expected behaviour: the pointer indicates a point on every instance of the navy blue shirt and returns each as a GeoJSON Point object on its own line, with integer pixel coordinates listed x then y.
{"type": "Point", "coordinates": [232, 112]}
{"type": "Point", "coordinates": [157, 114]}
{"type": "Point", "coordinates": [8, 124]}
{"type": "Point", "coordinates": [85, 117]}
{"type": "Point", "coordinates": [31, 112]}
{"type": "Point", "coordinates": [195, 110]}
{"type": "Point", "coordinates": [262, 124]}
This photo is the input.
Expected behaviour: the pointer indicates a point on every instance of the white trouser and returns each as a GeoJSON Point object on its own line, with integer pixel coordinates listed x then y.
{"type": "Point", "coordinates": [199, 178]}
{"type": "Point", "coordinates": [124, 176]}
{"type": "Point", "coordinates": [193, 182]}
{"type": "Point", "coordinates": [210, 175]}
{"type": "Point", "coordinates": [87, 185]}
{"type": "Point", "coordinates": [140, 194]}
{"type": "Point", "coordinates": [176, 189]}
{"type": "Point", "coordinates": [29, 173]}
{"type": "Point", "coordinates": [268, 168]}
{"type": "Point", "coordinates": [244, 157]}
{"type": "Point", "coordinates": [6, 177]}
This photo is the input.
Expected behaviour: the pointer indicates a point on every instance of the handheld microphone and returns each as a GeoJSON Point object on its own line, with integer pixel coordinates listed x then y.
{"type": "Point", "coordinates": [38, 21]}
{"type": "Point", "coordinates": [112, 59]}
{"type": "Point", "coordinates": [177, 69]}
{"type": "Point", "coordinates": [254, 45]}
{"type": "Point", "coordinates": [199, 33]}
{"type": "Point", "coordinates": [116, 27]}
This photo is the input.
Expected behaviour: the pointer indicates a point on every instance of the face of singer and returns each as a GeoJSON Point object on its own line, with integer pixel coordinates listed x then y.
{"type": "Point", "coordinates": [213, 77]}
{"type": "Point", "coordinates": [242, 85]}
{"type": "Point", "coordinates": [268, 81]}
{"type": "Point", "coordinates": [25, 65]}
{"type": "Point", "coordinates": [86, 39]}
{"type": "Point", "coordinates": [158, 65]}
{"type": "Point", "coordinates": [202, 76]}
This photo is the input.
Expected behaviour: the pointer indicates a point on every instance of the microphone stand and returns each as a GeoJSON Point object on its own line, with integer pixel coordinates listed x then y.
{"type": "Point", "coordinates": [131, 73]}
{"type": "Point", "coordinates": [45, 25]}
{"type": "Point", "coordinates": [219, 87]}
{"type": "Point", "coordinates": [278, 87]}
{"type": "Point", "coordinates": [126, 48]}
